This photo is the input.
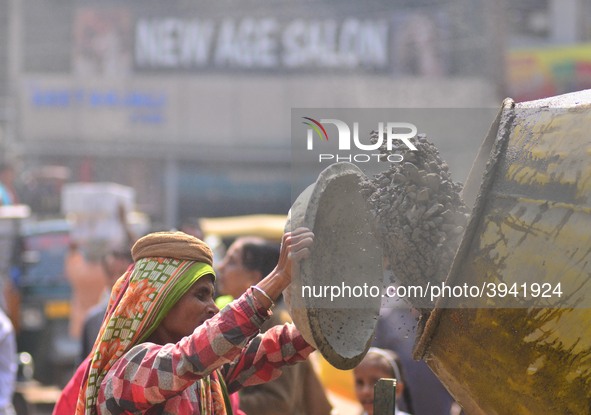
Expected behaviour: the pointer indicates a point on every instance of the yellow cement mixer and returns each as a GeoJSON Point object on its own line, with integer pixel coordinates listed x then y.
{"type": "Point", "coordinates": [527, 348]}
{"type": "Point", "coordinates": [530, 227]}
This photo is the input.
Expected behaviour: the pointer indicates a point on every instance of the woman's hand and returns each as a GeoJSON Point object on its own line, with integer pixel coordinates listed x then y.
{"type": "Point", "coordinates": [295, 246]}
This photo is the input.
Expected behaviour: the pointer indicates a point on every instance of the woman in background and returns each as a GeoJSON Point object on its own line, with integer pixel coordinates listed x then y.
{"type": "Point", "coordinates": [378, 364]}
{"type": "Point", "coordinates": [297, 391]}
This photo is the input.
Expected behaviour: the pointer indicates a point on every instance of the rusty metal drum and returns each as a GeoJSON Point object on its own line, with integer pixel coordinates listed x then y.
{"type": "Point", "coordinates": [529, 351]}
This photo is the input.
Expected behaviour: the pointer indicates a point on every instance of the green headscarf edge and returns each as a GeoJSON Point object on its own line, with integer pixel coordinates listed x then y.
{"type": "Point", "coordinates": [186, 280]}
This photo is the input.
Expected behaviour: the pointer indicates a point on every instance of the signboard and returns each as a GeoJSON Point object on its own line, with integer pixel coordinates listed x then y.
{"type": "Point", "coordinates": [251, 43]}
{"type": "Point", "coordinates": [124, 40]}
{"type": "Point", "coordinates": [543, 72]}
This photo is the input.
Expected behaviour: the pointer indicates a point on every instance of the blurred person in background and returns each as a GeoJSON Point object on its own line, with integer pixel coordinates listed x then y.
{"type": "Point", "coordinates": [87, 279]}
{"type": "Point", "coordinates": [298, 391]}
{"type": "Point", "coordinates": [8, 193]}
{"type": "Point", "coordinates": [90, 277]}
{"type": "Point", "coordinates": [8, 364]}
{"type": "Point", "coordinates": [380, 364]}
{"type": "Point", "coordinates": [164, 347]}
{"type": "Point", "coordinates": [8, 284]}
{"type": "Point", "coordinates": [114, 264]}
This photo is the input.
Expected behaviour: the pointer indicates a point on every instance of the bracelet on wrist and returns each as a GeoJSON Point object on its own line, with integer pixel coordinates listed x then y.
{"type": "Point", "coordinates": [259, 289]}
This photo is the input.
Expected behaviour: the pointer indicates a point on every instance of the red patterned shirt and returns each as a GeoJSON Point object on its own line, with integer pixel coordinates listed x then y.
{"type": "Point", "coordinates": [162, 379]}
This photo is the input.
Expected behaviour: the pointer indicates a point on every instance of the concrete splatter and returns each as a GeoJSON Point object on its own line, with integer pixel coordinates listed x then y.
{"type": "Point", "coordinates": [420, 214]}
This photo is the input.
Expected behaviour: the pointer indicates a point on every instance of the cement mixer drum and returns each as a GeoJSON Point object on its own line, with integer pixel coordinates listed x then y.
{"type": "Point", "coordinates": [530, 225]}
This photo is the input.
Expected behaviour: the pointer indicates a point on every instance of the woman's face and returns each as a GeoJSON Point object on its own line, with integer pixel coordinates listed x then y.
{"type": "Point", "coordinates": [366, 375]}
{"type": "Point", "coordinates": [191, 310]}
{"type": "Point", "coordinates": [233, 277]}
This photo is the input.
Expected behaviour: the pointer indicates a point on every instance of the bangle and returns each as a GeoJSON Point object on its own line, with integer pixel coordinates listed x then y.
{"type": "Point", "coordinates": [259, 289]}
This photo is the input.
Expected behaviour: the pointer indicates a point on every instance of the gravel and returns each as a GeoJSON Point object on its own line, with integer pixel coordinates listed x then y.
{"type": "Point", "coordinates": [421, 216]}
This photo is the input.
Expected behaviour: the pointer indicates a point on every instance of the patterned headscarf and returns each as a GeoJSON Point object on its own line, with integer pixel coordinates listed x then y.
{"type": "Point", "coordinates": [167, 265]}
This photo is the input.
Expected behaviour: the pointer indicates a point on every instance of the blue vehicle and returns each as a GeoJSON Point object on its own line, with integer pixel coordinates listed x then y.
{"type": "Point", "coordinates": [45, 301]}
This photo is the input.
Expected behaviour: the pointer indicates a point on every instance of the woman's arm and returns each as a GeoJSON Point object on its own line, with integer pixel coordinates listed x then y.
{"type": "Point", "coordinates": [261, 361]}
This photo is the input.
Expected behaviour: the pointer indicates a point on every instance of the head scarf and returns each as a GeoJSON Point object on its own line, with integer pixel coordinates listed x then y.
{"type": "Point", "coordinates": [166, 265]}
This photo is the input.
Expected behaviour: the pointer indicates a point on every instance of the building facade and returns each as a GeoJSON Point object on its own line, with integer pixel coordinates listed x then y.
{"type": "Point", "coordinates": [189, 102]}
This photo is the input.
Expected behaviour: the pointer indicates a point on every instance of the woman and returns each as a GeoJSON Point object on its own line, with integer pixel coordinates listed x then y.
{"type": "Point", "coordinates": [164, 348]}
{"type": "Point", "coordinates": [8, 364]}
{"type": "Point", "coordinates": [246, 262]}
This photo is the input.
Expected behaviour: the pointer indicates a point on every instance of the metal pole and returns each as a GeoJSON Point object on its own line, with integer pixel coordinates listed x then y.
{"type": "Point", "coordinates": [496, 32]}
{"type": "Point", "coordinates": [565, 21]}
{"type": "Point", "coordinates": [14, 72]}
{"type": "Point", "coordinates": [171, 193]}
{"type": "Point", "coordinates": [384, 397]}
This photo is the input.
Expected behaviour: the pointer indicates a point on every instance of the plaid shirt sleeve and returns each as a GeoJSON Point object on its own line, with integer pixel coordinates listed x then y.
{"type": "Point", "coordinates": [150, 374]}
{"type": "Point", "coordinates": [261, 361]}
